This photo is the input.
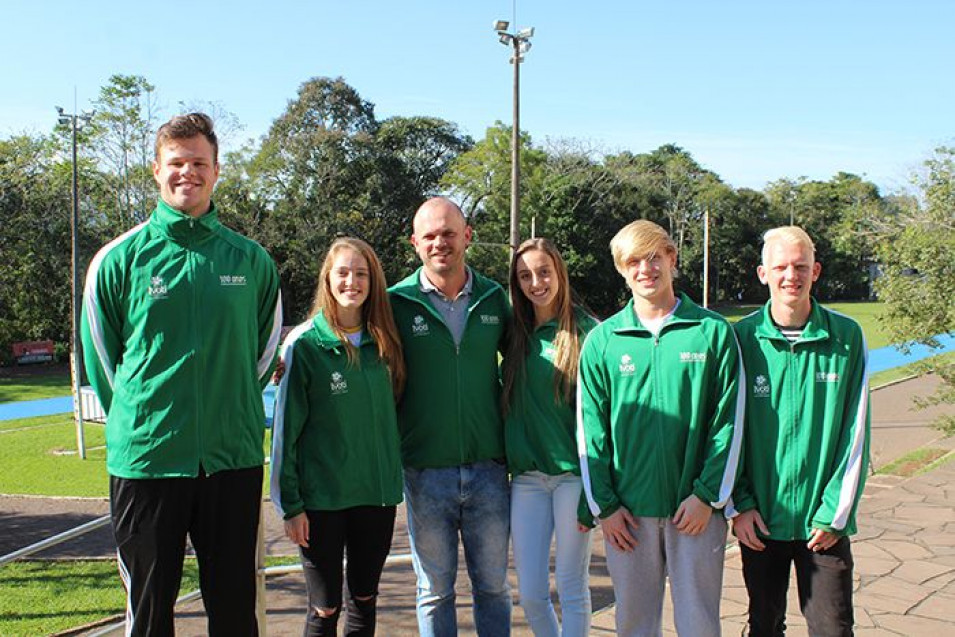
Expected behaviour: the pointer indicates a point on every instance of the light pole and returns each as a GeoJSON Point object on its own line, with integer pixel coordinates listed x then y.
{"type": "Point", "coordinates": [520, 43]}
{"type": "Point", "coordinates": [76, 362]}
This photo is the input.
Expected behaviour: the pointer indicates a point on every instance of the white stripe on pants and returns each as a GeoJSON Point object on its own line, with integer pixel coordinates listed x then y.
{"type": "Point", "coordinates": [694, 565]}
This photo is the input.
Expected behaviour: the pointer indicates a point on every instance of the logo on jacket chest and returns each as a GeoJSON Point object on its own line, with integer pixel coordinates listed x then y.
{"type": "Point", "coordinates": [338, 384]}
{"type": "Point", "coordinates": [490, 319]}
{"type": "Point", "coordinates": [419, 326]}
{"type": "Point", "coordinates": [761, 387]}
{"type": "Point", "coordinates": [627, 366]}
{"type": "Point", "coordinates": [157, 288]}
{"type": "Point", "coordinates": [231, 280]}
{"type": "Point", "coordinates": [692, 357]}
{"type": "Point", "coordinates": [827, 377]}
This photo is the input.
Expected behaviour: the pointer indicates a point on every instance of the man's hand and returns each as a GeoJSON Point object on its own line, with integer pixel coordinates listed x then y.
{"type": "Point", "coordinates": [692, 516]}
{"type": "Point", "coordinates": [616, 532]}
{"type": "Point", "coordinates": [296, 529]}
{"type": "Point", "coordinates": [821, 540]}
{"type": "Point", "coordinates": [744, 528]}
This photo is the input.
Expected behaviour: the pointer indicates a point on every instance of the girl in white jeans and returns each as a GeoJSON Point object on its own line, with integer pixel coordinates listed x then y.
{"type": "Point", "coordinates": [540, 372]}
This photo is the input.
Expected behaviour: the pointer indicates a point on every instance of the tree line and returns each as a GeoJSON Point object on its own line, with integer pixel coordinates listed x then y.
{"type": "Point", "coordinates": [329, 167]}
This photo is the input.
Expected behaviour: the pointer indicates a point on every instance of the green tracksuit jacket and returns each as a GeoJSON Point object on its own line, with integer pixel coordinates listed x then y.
{"type": "Point", "coordinates": [335, 433]}
{"type": "Point", "coordinates": [181, 322]}
{"type": "Point", "coordinates": [540, 429]}
{"type": "Point", "coordinates": [450, 412]}
{"type": "Point", "coordinates": [807, 424]}
{"type": "Point", "coordinates": [660, 417]}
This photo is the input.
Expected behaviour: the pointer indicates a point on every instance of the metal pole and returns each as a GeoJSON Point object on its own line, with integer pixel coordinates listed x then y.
{"type": "Point", "coordinates": [515, 236]}
{"type": "Point", "coordinates": [706, 257]}
{"type": "Point", "coordinates": [77, 354]}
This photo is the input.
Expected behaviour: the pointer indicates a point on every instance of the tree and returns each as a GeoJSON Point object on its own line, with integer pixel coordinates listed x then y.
{"type": "Point", "coordinates": [480, 180]}
{"type": "Point", "coordinates": [35, 282]}
{"type": "Point", "coordinates": [122, 135]}
{"type": "Point", "coordinates": [328, 167]}
{"type": "Point", "coordinates": [917, 256]}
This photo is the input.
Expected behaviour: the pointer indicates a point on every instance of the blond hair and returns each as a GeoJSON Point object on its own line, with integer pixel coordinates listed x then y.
{"type": "Point", "coordinates": [640, 239]}
{"type": "Point", "coordinates": [793, 235]}
{"type": "Point", "coordinates": [376, 313]}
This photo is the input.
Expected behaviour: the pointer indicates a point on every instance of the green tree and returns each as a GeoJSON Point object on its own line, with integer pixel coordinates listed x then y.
{"type": "Point", "coordinates": [917, 257]}
{"type": "Point", "coordinates": [35, 205]}
{"type": "Point", "coordinates": [122, 135]}
{"type": "Point", "coordinates": [328, 167]}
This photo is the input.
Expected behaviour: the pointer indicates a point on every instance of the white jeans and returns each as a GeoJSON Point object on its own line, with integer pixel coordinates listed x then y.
{"type": "Point", "coordinates": [545, 507]}
{"type": "Point", "coordinates": [694, 564]}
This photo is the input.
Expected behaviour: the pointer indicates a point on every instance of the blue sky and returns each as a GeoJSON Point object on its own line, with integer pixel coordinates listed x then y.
{"type": "Point", "coordinates": [755, 91]}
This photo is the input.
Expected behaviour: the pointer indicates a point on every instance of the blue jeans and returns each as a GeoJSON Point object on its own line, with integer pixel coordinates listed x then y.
{"type": "Point", "coordinates": [545, 507]}
{"type": "Point", "coordinates": [472, 500]}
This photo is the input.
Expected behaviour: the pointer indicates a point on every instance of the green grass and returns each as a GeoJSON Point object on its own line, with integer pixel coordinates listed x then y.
{"type": "Point", "coordinates": [34, 387]}
{"type": "Point", "coordinates": [44, 597]}
{"type": "Point", "coordinates": [33, 462]}
{"type": "Point", "coordinates": [915, 462]}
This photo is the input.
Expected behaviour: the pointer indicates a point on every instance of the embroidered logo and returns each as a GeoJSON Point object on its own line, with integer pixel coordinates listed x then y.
{"type": "Point", "coordinates": [419, 327]}
{"type": "Point", "coordinates": [827, 377]}
{"type": "Point", "coordinates": [761, 388]}
{"type": "Point", "coordinates": [692, 357]}
{"type": "Point", "coordinates": [157, 288]}
{"type": "Point", "coordinates": [338, 385]}
{"type": "Point", "coordinates": [232, 279]}
{"type": "Point", "coordinates": [626, 365]}
{"type": "Point", "coordinates": [490, 319]}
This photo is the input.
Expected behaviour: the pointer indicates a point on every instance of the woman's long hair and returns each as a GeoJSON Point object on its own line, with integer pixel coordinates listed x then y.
{"type": "Point", "coordinates": [567, 342]}
{"type": "Point", "coordinates": [376, 313]}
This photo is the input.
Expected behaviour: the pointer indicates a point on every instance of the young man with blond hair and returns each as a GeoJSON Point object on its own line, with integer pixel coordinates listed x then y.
{"type": "Point", "coordinates": [659, 437]}
{"type": "Point", "coordinates": [806, 445]}
{"type": "Point", "coordinates": [181, 325]}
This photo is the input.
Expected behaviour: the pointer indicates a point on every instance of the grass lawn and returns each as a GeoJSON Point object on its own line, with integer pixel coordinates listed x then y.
{"type": "Point", "coordinates": [43, 597]}
{"type": "Point", "coordinates": [38, 457]}
{"type": "Point", "coordinates": [34, 387]}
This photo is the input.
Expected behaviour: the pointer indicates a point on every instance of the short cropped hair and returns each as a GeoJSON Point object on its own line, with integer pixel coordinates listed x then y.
{"type": "Point", "coordinates": [185, 127]}
{"type": "Point", "coordinates": [793, 235]}
{"type": "Point", "coordinates": [640, 239]}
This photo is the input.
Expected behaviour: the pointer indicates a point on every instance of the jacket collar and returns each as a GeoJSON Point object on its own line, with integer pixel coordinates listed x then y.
{"type": "Point", "coordinates": [816, 329]}
{"type": "Point", "coordinates": [686, 312]}
{"type": "Point", "coordinates": [327, 337]}
{"type": "Point", "coordinates": [410, 288]}
{"type": "Point", "coordinates": [182, 228]}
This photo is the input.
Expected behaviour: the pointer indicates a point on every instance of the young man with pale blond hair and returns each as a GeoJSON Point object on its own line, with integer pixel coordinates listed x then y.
{"type": "Point", "coordinates": [659, 435]}
{"type": "Point", "coordinates": [806, 445]}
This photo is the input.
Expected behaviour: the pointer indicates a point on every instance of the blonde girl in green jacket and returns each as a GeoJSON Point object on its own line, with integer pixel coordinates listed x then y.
{"type": "Point", "coordinates": [540, 377]}
{"type": "Point", "coordinates": [336, 465]}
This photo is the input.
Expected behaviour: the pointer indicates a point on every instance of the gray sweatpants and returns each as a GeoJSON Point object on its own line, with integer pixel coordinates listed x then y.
{"type": "Point", "coordinates": [694, 565]}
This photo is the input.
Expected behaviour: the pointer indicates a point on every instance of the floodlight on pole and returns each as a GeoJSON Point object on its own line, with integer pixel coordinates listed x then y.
{"type": "Point", "coordinates": [518, 41]}
{"type": "Point", "coordinates": [76, 123]}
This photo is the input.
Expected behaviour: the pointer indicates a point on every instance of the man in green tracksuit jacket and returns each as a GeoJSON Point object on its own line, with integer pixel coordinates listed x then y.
{"type": "Point", "coordinates": [452, 322]}
{"type": "Point", "coordinates": [806, 449]}
{"type": "Point", "coordinates": [181, 323]}
{"type": "Point", "coordinates": [659, 437]}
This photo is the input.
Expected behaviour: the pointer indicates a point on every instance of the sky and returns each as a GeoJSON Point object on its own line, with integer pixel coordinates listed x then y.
{"type": "Point", "coordinates": [755, 91]}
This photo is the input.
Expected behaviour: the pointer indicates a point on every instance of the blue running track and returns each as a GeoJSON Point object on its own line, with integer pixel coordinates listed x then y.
{"type": "Point", "coordinates": [879, 360]}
